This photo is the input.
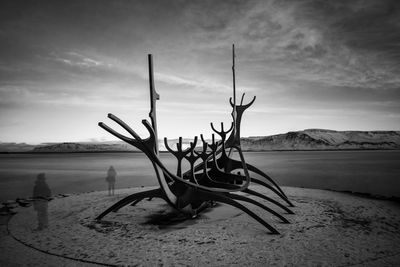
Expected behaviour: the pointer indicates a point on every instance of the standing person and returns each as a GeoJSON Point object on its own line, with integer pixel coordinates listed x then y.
{"type": "Point", "coordinates": [111, 174]}
{"type": "Point", "coordinates": [41, 194]}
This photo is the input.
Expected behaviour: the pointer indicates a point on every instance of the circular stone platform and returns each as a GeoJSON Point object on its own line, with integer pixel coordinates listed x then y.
{"type": "Point", "coordinates": [328, 229]}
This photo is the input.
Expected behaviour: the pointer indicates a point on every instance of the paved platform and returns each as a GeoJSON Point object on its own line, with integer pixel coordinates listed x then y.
{"type": "Point", "coordinates": [328, 229]}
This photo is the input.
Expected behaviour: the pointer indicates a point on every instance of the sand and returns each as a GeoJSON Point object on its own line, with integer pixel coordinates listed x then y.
{"type": "Point", "coordinates": [328, 229]}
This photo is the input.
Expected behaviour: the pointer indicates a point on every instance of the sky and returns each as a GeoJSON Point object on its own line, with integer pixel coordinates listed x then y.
{"type": "Point", "coordinates": [64, 65]}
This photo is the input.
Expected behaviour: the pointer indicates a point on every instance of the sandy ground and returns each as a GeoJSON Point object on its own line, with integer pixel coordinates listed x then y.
{"type": "Point", "coordinates": [328, 229]}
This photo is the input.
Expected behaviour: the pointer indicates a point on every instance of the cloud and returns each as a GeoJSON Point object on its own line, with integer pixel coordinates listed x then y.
{"type": "Point", "coordinates": [341, 44]}
{"type": "Point", "coordinates": [76, 59]}
{"type": "Point", "coordinates": [204, 84]}
{"type": "Point", "coordinates": [311, 55]}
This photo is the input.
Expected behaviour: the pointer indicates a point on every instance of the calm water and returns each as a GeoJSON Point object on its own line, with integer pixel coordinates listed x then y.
{"type": "Point", "coordinates": [376, 172]}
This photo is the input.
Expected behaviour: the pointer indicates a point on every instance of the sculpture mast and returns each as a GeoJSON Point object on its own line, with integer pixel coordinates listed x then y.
{"type": "Point", "coordinates": [234, 114]}
{"type": "Point", "coordinates": [154, 96]}
{"type": "Point", "coordinates": [234, 89]}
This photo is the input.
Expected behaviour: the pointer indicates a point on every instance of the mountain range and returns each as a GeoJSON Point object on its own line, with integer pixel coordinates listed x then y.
{"type": "Point", "coordinates": [320, 139]}
{"type": "Point", "coordinates": [310, 139]}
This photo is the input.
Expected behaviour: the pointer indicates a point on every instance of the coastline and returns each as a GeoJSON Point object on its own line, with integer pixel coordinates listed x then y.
{"type": "Point", "coordinates": [166, 152]}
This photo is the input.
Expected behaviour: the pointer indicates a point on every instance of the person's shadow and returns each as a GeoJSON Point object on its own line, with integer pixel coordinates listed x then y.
{"type": "Point", "coordinates": [41, 195]}
{"type": "Point", "coordinates": [111, 174]}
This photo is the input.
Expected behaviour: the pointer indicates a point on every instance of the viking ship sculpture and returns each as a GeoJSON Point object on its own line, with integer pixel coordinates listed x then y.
{"type": "Point", "coordinates": [211, 176]}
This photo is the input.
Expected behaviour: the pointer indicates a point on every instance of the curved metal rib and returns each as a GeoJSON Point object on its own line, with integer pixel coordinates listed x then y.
{"type": "Point", "coordinates": [241, 103]}
{"type": "Point", "coordinates": [221, 133]}
{"type": "Point", "coordinates": [234, 165]}
{"type": "Point", "coordinates": [148, 149]}
{"type": "Point", "coordinates": [261, 173]}
{"type": "Point", "coordinates": [137, 201]}
{"type": "Point", "coordinates": [256, 181]}
{"type": "Point", "coordinates": [254, 193]}
{"type": "Point", "coordinates": [224, 199]}
{"type": "Point", "coordinates": [252, 201]}
{"type": "Point", "coordinates": [179, 154]}
{"type": "Point", "coordinates": [116, 134]}
{"type": "Point", "coordinates": [125, 126]}
{"type": "Point", "coordinates": [129, 199]}
{"type": "Point", "coordinates": [237, 113]}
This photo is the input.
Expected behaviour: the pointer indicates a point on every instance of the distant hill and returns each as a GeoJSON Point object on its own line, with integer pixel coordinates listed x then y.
{"type": "Point", "coordinates": [101, 146]}
{"type": "Point", "coordinates": [84, 147]}
{"type": "Point", "coordinates": [320, 139]}
{"type": "Point", "coordinates": [15, 147]}
{"type": "Point", "coordinates": [310, 139]}
{"type": "Point", "coordinates": [67, 147]}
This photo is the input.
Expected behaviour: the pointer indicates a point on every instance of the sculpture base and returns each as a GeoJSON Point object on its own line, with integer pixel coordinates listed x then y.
{"type": "Point", "coordinates": [328, 228]}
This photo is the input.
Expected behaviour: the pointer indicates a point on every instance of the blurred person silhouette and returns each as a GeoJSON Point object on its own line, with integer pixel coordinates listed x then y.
{"type": "Point", "coordinates": [111, 174]}
{"type": "Point", "coordinates": [41, 195]}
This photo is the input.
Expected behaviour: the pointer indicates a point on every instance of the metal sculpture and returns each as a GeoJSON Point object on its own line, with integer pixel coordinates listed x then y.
{"type": "Point", "coordinates": [211, 180]}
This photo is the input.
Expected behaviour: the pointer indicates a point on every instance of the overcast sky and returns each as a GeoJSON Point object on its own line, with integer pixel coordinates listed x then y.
{"type": "Point", "coordinates": [312, 64]}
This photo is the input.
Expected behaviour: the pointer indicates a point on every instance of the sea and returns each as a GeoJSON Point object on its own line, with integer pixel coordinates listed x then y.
{"type": "Point", "coordinates": [376, 172]}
